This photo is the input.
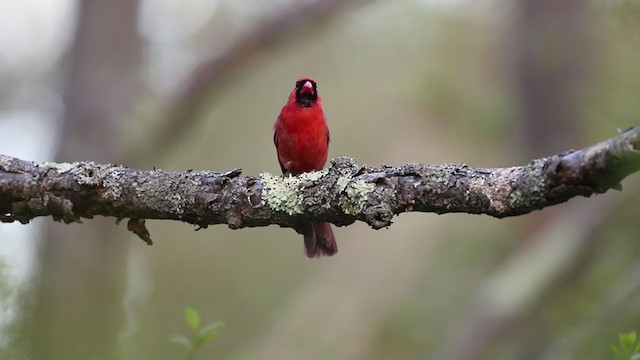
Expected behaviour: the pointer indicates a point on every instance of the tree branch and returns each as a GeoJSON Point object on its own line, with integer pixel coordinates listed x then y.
{"type": "Point", "coordinates": [341, 194]}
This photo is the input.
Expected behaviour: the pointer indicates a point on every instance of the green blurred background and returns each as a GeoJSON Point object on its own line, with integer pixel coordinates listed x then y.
{"type": "Point", "coordinates": [197, 84]}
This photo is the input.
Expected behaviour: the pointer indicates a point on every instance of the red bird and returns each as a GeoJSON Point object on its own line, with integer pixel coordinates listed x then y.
{"type": "Point", "coordinates": [302, 142]}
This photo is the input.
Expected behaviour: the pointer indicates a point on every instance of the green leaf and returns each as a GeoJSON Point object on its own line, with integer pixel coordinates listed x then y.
{"type": "Point", "coordinates": [180, 340]}
{"type": "Point", "coordinates": [636, 356]}
{"type": "Point", "coordinates": [617, 351]}
{"type": "Point", "coordinates": [204, 338]}
{"type": "Point", "coordinates": [212, 326]}
{"type": "Point", "coordinates": [627, 341]}
{"type": "Point", "coordinates": [95, 357]}
{"type": "Point", "coordinates": [192, 317]}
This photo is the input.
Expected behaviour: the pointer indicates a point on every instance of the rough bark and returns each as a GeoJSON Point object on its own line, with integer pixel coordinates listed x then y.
{"type": "Point", "coordinates": [341, 194]}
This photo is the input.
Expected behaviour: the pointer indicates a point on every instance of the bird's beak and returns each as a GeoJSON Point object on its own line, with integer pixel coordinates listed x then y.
{"type": "Point", "coordinates": [307, 88]}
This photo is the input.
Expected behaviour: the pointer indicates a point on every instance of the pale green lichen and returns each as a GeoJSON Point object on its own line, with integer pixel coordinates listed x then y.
{"type": "Point", "coordinates": [313, 176]}
{"type": "Point", "coordinates": [517, 200]}
{"type": "Point", "coordinates": [342, 183]}
{"type": "Point", "coordinates": [283, 193]}
{"type": "Point", "coordinates": [59, 167]}
{"type": "Point", "coordinates": [355, 195]}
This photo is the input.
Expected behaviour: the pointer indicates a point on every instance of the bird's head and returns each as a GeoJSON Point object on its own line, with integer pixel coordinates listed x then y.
{"type": "Point", "coordinates": [306, 92]}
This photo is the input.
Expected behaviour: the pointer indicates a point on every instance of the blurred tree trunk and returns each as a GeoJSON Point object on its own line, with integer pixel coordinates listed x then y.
{"type": "Point", "coordinates": [552, 59]}
{"type": "Point", "coordinates": [77, 306]}
{"type": "Point", "coordinates": [553, 48]}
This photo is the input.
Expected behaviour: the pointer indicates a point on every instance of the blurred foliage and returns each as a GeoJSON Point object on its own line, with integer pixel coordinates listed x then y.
{"type": "Point", "coordinates": [628, 347]}
{"type": "Point", "coordinates": [200, 334]}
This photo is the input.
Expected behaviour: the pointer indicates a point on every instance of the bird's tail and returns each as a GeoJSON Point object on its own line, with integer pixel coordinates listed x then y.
{"type": "Point", "coordinates": [319, 241]}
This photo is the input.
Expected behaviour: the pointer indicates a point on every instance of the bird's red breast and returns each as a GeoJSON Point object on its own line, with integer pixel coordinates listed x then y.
{"type": "Point", "coordinates": [301, 133]}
